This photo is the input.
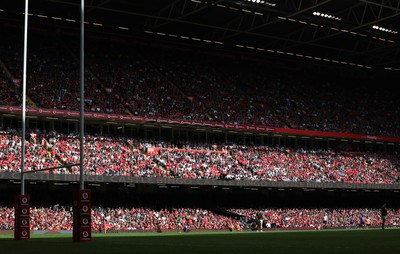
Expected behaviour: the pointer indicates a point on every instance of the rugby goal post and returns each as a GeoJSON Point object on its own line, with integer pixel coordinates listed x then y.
{"type": "Point", "coordinates": [82, 197]}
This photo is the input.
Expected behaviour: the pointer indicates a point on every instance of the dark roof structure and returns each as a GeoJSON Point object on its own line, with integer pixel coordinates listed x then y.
{"type": "Point", "coordinates": [363, 34]}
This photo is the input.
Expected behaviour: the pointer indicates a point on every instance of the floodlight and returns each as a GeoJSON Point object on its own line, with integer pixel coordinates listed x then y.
{"type": "Point", "coordinates": [384, 29]}
{"type": "Point", "coordinates": [324, 15]}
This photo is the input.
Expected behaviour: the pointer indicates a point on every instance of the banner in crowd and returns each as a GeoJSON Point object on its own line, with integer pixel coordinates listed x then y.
{"type": "Point", "coordinates": [126, 118]}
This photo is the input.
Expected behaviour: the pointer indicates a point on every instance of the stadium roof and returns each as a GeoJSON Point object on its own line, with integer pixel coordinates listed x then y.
{"type": "Point", "coordinates": [364, 34]}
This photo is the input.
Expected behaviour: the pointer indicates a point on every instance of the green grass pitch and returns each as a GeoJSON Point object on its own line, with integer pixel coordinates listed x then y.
{"type": "Point", "coordinates": [329, 241]}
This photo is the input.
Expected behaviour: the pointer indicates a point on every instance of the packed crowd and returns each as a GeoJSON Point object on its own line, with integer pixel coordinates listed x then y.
{"type": "Point", "coordinates": [149, 219]}
{"type": "Point", "coordinates": [8, 94]}
{"type": "Point", "coordinates": [142, 89]}
{"type": "Point", "coordinates": [122, 219]}
{"type": "Point", "coordinates": [53, 77]}
{"type": "Point", "coordinates": [317, 165]}
{"type": "Point", "coordinates": [103, 156]}
{"type": "Point", "coordinates": [160, 83]}
{"type": "Point", "coordinates": [315, 217]}
{"type": "Point", "coordinates": [37, 156]}
{"type": "Point", "coordinates": [120, 156]}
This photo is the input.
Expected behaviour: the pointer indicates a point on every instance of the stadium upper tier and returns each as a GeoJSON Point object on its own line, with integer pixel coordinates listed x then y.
{"type": "Point", "coordinates": [158, 82]}
{"type": "Point", "coordinates": [150, 219]}
{"type": "Point", "coordinates": [128, 157]}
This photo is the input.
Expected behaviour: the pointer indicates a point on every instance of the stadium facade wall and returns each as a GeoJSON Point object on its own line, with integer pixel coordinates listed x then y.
{"type": "Point", "coordinates": [196, 182]}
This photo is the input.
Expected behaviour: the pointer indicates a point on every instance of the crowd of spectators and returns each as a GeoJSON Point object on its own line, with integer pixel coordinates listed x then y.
{"type": "Point", "coordinates": [317, 165]}
{"type": "Point", "coordinates": [149, 219]}
{"type": "Point", "coordinates": [119, 156]}
{"type": "Point", "coordinates": [142, 89]}
{"type": "Point", "coordinates": [122, 219]}
{"type": "Point", "coordinates": [103, 156]}
{"type": "Point", "coordinates": [37, 156]}
{"type": "Point", "coordinates": [169, 83]}
{"type": "Point", "coordinates": [314, 217]}
{"type": "Point", "coordinates": [8, 95]}
{"type": "Point", "coordinates": [53, 77]}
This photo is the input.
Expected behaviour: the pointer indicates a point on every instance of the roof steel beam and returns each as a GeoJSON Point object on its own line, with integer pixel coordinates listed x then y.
{"type": "Point", "coordinates": [379, 17]}
{"type": "Point", "coordinates": [371, 45]}
{"type": "Point", "coordinates": [298, 9]}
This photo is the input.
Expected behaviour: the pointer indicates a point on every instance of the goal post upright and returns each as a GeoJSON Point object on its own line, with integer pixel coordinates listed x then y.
{"type": "Point", "coordinates": [22, 201]}
{"type": "Point", "coordinates": [82, 221]}
{"type": "Point", "coordinates": [82, 93]}
{"type": "Point", "coordinates": [24, 98]}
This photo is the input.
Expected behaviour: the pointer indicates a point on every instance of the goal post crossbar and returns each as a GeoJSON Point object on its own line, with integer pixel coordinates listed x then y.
{"type": "Point", "coordinates": [51, 168]}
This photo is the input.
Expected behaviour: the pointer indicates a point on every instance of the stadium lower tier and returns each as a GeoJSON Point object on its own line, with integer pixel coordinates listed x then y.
{"type": "Point", "coordinates": [148, 219]}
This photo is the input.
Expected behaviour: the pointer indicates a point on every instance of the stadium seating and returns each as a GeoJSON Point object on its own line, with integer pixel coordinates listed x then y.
{"type": "Point", "coordinates": [156, 82]}
{"type": "Point", "coordinates": [8, 95]}
{"type": "Point", "coordinates": [313, 218]}
{"type": "Point", "coordinates": [37, 156]}
{"type": "Point", "coordinates": [127, 157]}
{"type": "Point", "coordinates": [122, 78]}
{"type": "Point", "coordinates": [149, 219]}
